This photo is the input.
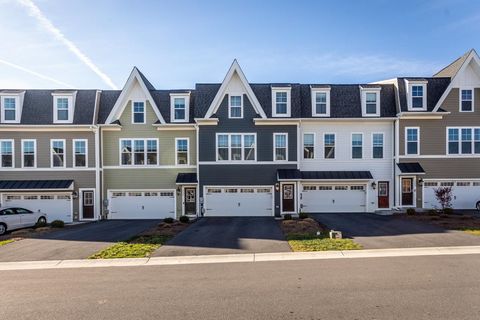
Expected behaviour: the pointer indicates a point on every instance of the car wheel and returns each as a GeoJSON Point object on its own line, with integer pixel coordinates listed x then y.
{"type": "Point", "coordinates": [3, 229]}
{"type": "Point", "coordinates": [478, 205]}
{"type": "Point", "coordinates": [41, 220]}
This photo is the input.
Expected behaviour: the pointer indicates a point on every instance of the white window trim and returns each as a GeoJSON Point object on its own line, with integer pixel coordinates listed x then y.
{"type": "Point", "coordinates": [172, 106]}
{"type": "Point", "coordinates": [230, 147]}
{"type": "Point", "coordinates": [86, 153]}
{"type": "Point", "coordinates": [364, 92]}
{"type": "Point", "coordinates": [133, 152]}
{"type": "Point", "coordinates": [64, 153]}
{"type": "Point", "coordinates": [314, 92]}
{"type": "Point", "coordinates": [460, 154]}
{"type": "Point", "coordinates": [188, 151]}
{"type": "Point", "coordinates": [144, 111]}
{"type": "Point", "coordinates": [274, 101]}
{"type": "Point", "coordinates": [335, 145]}
{"type": "Point", "coordinates": [460, 98]}
{"type": "Point", "coordinates": [17, 109]}
{"type": "Point", "coordinates": [351, 146]}
{"type": "Point", "coordinates": [13, 153]}
{"type": "Point", "coordinates": [34, 152]}
{"type": "Point", "coordinates": [383, 145]}
{"type": "Point", "coordinates": [408, 85]}
{"type": "Point", "coordinates": [275, 134]}
{"type": "Point", "coordinates": [405, 151]}
{"type": "Point", "coordinates": [55, 108]}
{"type": "Point", "coordinates": [314, 146]}
{"type": "Point", "coordinates": [230, 106]}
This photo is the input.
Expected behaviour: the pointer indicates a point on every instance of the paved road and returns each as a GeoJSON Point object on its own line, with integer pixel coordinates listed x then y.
{"type": "Point", "coordinates": [434, 287]}
{"type": "Point", "coordinates": [76, 242]}
{"type": "Point", "coordinates": [227, 235]}
{"type": "Point", "coordinates": [382, 232]}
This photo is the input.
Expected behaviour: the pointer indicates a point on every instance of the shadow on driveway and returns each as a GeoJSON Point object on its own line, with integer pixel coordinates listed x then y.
{"type": "Point", "coordinates": [382, 232]}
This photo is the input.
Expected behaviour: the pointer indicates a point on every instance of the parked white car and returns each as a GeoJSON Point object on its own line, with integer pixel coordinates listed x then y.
{"type": "Point", "coordinates": [12, 218]}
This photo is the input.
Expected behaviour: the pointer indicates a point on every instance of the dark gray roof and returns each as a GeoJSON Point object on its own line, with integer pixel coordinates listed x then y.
{"type": "Point", "coordinates": [451, 70]}
{"type": "Point", "coordinates": [435, 88]}
{"type": "Point", "coordinates": [410, 167]}
{"type": "Point", "coordinates": [204, 95]}
{"type": "Point", "coordinates": [107, 101]}
{"type": "Point", "coordinates": [286, 174]}
{"type": "Point", "coordinates": [162, 100]}
{"type": "Point", "coordinates": [148, 84]}
{"type": "Point", "coordinates": [190, 177]}
{"type": "Point", "coordinates": [38, 106]}
{"type": "Point", "coordinates": [35, 184]}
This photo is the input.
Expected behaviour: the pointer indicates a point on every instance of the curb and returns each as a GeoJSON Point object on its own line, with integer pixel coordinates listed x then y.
{"type": "Point", "coordinates": [236, 258]}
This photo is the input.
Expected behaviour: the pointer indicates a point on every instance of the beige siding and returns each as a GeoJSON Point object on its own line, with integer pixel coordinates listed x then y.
{"type": "Point", "coordinates": [111, 139]}
{"type": "Point", "coordinates": [43, 145]}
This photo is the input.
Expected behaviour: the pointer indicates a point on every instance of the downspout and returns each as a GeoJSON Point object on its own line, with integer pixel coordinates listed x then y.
{"type": "Point", "coordinates": [396, 144]}
{"type": "Point", "coordinates": [98, 188]}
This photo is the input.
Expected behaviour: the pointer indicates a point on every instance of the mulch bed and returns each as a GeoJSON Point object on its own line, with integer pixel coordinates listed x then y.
{"type": "Point", "coordinates": [450, 222]}
{"type": "Point", "coordinates": [301, 226]}
{"type": "Point", "coordinates": [166, 229]}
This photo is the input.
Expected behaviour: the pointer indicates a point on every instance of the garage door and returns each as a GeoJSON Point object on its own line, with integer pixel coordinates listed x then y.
{"type": "Point", "coordinates": [465, 194]}
{"type": "Point", "coordinates": [333, 198]}
{"type": "Point", "coordinates": [56, 206]}
{"type": "Point", "coordinates": [142, 204]}
{"type": "Point", "coordinates": [241, 201]}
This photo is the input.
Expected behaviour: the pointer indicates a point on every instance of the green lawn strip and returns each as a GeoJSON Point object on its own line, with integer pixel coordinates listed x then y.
{"type": "Point", "coordinates": [308, 242]}
{"type": "Point", "coordinates": [137, 247]}
{"type": "Point", "coordinates": [4, 242]}
{"type": "Point", "coordinates": [473, 231]}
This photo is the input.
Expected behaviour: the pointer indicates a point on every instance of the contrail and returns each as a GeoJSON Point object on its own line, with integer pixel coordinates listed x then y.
{"type": "Point", "coordinates": [16, 66]}
{"type": "Point", "coordinates": [35, 12]}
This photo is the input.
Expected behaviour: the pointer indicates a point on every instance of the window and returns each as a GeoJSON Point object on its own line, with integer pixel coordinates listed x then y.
{"type": "Point", "coordinates": [370, 98]}
{"type": "Point", "coordinates": [329, 146]}
{"type": "Point", "coordinates": [377, 145]}
{"type": "Point", "coordinates": [235, 107]}
{"type": "Point", "coordinates": [466, 100]}
{"type": "Point", "coordinates": [139, 152]}
{"type": "Point", "coordinates": [417, 96]}
{"type": "Point", "coordinates": [308, 146]}
{"type": "Point", "coordinates": [29, 148]}
{"type": "Point", "coordinates": [357, 146]}
{"type": "Point", "coordinates": [58, 154]}
{"type": "Point", "coordinates": [321, 103]}
{"type": "Point", "coordinates": [412, 141]}
{"type": "Point", "coordinates": [179, 109]}
{"type": "Point", "coordinates": [62, 109]}
{"type": "Point", "coordinates": [6, 153]}
{"type": "Point", "coordinates": [236, 147]}
{"type": "Point", "coordinates": [80, 153]}
{"type": "Point", "coordinates": [453, 141]}
{"type": "Point", "coordinates": [463, 141]}
{"type": "Point", "coordinates": [138, 112]}
{"type": "Point", "coordinates": [181, 145]}
{"type": "Point", "coordinates": [280, 151]}
{"type": "Point", "coordinates": [10, 109]}
{"type": "Point", "coordinates": [281, 102]}
{"type": "Point", "coordinates": [476, 136]}
{"type": "Point", "coordinates": [466, 140]}
{"type": "Point", "coordinates": [309, 188]}
{"type": "Point", "coordinates": [341, 187]}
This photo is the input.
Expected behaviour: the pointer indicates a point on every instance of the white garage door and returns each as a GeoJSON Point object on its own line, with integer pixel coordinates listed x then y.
{"type": "Point", "coordinates": [333, 198]}
{"type": "Point", "coordinates": [56, 206]}
{"type": "Point", "coordinates": [465, 194]}
{"type": "Point", "coordinates": [141, 204]}
{"type": "Point", "coordinates": [238, 201]}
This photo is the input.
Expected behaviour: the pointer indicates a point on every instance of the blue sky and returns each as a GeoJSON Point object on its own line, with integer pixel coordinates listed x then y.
{"type": "Point", "coordinates": [94, 44]}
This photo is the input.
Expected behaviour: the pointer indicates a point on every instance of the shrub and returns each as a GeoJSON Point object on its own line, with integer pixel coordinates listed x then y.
{"type": "Point", "coordinates": [40, 224]}
{"type": "Point", "coordinates": [447, 210]}
{"type": "Point", "coordinates": [432, 212]}
{"type": "Point", "coordinates": [57, 224]}
{"type": "Point", "coordinates": [411, 211]}
{"type": "Point", "coordinates": [184, 219]}
{"type": "Point", "coordinates": [303, 215]}
{"type": "Point", "coordinates": [444, 196]}
{"type": "Point", "coordinates": [287, 216]}
{"type": "Point", "coordinates": [168, 220]}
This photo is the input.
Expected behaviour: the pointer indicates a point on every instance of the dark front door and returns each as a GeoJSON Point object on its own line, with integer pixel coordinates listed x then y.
{"type": "Point", "coordinates": [407, 191]}
{"type": "Point", "coordinates": [383, 194]}
{"type": "Point", "coordinates": [87, 205]}
{"type": "Point", "coordinates": [190, 201]}
{"type": "Point", "coordinates": [288, 197]}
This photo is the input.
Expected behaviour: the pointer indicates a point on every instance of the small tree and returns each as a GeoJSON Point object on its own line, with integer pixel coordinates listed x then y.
{"type": "Point", "coordinates": [444, 196]}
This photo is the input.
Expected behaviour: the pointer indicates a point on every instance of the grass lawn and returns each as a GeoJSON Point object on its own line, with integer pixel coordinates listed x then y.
{"type": "Point", "coordinates": [308, 242]}
{"type": "Point", "coordinates": [4, 242]}
{"type": "Point", "coordinates": [137, 247]}
{"type": "Point", "coordinates": [474, 231]}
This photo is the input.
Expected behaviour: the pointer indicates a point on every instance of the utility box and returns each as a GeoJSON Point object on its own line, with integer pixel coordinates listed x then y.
{"type": "Point", "coordinates": [335, 234]}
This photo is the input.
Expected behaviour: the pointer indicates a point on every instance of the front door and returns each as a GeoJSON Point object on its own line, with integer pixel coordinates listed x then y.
{"type": "Point", "coordinates": [288, 198]}
{"type": "Point", "coordinates": [407, 191]}
{"type": "Point", "coordinates": [190, 201]}
{"type": "Point", "coordinates": [383, 194]}
{"type": "Point", "coordinates": [87, 197]}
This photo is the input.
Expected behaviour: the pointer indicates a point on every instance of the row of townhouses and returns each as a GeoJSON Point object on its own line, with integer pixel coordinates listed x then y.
{"type": "Point", "coordinates": [238, 148]}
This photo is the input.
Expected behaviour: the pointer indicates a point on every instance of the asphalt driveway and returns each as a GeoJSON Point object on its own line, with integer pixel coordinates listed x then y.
{"type": "Point", "coordinates": [75, 242]}
{"type": "Point", "coordinates": [227, 235]}
{"type": "Point", "coordinates": [382, 232]}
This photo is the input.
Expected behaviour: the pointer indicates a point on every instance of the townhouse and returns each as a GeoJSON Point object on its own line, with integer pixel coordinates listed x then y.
{"type": "Point", "coordinates": [237, 148]}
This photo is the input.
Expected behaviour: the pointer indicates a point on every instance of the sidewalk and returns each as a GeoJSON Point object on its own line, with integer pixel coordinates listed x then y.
{"type": "Point", "coordinates": [232, 258]}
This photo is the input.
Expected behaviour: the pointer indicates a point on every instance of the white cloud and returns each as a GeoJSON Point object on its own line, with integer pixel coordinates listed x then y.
{"type": "Point", "coordinates": [36, 13]}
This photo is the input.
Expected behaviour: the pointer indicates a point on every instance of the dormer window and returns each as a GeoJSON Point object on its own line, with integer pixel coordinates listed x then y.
{"type": "Point", "coordinates": [370, 102]}
{"type": "Point", "coordinates": [281, 102]}
{"type": "Point", "coordinates": [10, 109]}
{"type": "Point", "coordinates": [179, 104]}
{"type": "Point", "coordinates": [321, 102]}
{"type": "Point", "coordinates": [417, 95]}
{"type": "Point", "coordinates": [63, 108]}
{"type": "Point", "coordinates": [138, 111]}
{"type": "Point", "coordinates": [235, 106]}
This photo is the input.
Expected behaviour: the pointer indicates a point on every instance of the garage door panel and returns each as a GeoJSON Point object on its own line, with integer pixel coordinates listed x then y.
{"type": "Point", "coordinates": [142, 204]}
{"type": "Point", "coordinates": [465, 194]}
{"type": "Point", "coordinates": [333, 198]}
{"type": "Point", "coordinates": [56, 206]}
{"type": "Point", "coordinates": [241, 201]}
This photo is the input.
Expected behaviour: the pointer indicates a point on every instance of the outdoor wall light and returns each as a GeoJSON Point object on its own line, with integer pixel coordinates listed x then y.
{"type": "Point", "coordinates": [74, 195]}
{"type": "Point", "coordinates": [178, 190]}
{"type": "Point", "coordinates": [420, 181]}
{"type": "Point", "coordinates": [277, 186]}
{"type": "Point", "coordinates": [374, 185]}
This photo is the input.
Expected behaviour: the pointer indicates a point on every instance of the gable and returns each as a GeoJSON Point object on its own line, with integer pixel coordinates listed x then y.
{"type": "Point", "coordinates": [470, 77]}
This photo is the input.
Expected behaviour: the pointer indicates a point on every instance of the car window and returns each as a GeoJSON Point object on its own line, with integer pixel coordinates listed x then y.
{"type": "Point", "coordinates": [23, 211]}
{"type": "Point", "coordinates": [7, 212]}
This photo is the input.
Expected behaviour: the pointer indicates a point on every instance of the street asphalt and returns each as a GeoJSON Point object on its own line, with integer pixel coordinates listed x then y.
{"type": "Point", "coordinates": [433, 287]}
